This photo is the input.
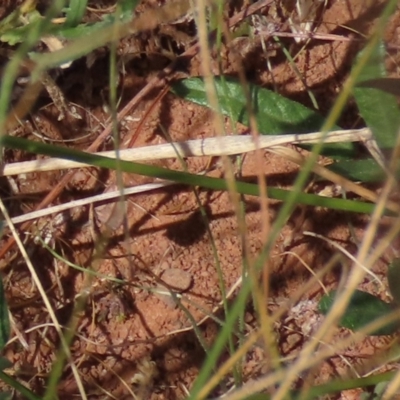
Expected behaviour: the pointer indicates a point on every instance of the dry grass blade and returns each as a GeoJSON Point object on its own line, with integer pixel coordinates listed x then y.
{"type": "Point", "coordinates": [221, 146]}
{"type": "Point", "coordinates": [348, 255]}
{"type": "Point", "coordinates": [90, 200]}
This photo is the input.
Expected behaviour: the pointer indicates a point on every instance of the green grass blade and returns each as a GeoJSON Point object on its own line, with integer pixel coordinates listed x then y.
{"type": "Point", "coordinates": [393, 276]}
{"type": "Point", "coordinates": [339, 385]}
{"type": "Point", "coordinates": [335, 386]}
{"type": "Point", "coordinates": [181, 177]}
{"type": "Point", "coordinates": [4, 319]}
{"type": "Point", "coordinates": [222, 338]}
{"type": "Point", "coordinates": [18, 387]}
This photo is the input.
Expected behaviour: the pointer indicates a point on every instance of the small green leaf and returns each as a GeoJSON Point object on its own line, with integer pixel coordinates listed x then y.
{"type": "Point", "coordinates": [11, 21]}
{"type": "Point", "coordinates": [274, 113]}
{"type": "Point", "coordinates": [16, 34]}
{"type": "Point", "coordinates": [393, 277]}
{"type": "Point", "coordinates": [377, 394]}
{"type": "Point", "coordinates": [82, 30]}
{"type": "Point", "coordinates": [367, 170]}
{"type": "Point", "coordinates": [378, 108]}
{"type": "Point", "coordinates": [75, 13]}
{"type": "Point", "coordinates": [128, 6]}
{"type": "Point", "coordinates": [363, 309]}
{"type": "Point", "coordinates": [4, 318]}
{"type": "Point", "coordinates": [4, 363]}
{"type": "Point", "coordinates": [388, 85]}
{"type": "Point", "coordinates": [13, 31]}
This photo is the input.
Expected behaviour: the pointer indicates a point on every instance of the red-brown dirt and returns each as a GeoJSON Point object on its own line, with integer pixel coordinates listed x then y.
{"type": "Point", "coordinates": [133, 338]}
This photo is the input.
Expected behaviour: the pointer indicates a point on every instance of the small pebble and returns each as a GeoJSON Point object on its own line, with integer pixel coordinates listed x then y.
{"type": "Point", "coordinates": [177, 279]}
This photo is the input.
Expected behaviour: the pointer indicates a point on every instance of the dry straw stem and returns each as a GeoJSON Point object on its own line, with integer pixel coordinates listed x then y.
{"type": "Point", "coordinates": [348, 255]}
{"type": "Point", "coordinates": [216, 146]}
{"type": "Point", "coordinates": [90, 200]}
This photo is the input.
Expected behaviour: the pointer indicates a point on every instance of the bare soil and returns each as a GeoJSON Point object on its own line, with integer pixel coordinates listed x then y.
{"type": "Point", "coordinates": [134, 339]}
